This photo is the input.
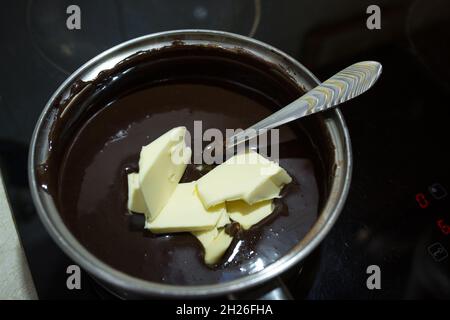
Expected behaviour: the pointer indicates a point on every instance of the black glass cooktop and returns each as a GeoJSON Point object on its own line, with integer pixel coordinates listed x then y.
{"type": "Point", "coordinates": [397, 216]}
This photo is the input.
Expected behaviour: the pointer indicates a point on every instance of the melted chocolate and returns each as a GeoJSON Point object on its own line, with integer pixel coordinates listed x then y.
{"type": "Point", "coordinates": [98, 141]}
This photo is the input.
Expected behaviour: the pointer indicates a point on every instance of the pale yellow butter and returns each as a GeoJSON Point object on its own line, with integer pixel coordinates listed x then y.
{"type": "Point", "coordinates": [248, 215]}
{"type": "Point", "coordinates": [215, 243]}
{"type": "Point", "coordinates": [206, 237]}
{"type": "Point", "coordinates": [161, 166]}
{"type": "Point", "coordinates": [209, 238]}
{"type": "Point", "coordinates": [247, 176]}
{"type": "Point", "coordinates": [185, 212]}
{"type": "Point", "coordinates": [136, 201]}
{"type": "Point", "coordinates": [224, 220]}
{"type": "Point", "coordinates": [241, 189]}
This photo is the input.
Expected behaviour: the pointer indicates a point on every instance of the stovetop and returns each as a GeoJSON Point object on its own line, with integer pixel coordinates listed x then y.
{"type": "Point", "coordinates": [397, 216]}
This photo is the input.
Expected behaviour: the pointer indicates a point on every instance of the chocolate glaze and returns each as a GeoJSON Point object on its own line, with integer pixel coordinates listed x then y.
{"type": "Point", "coordinates": [103, 124]}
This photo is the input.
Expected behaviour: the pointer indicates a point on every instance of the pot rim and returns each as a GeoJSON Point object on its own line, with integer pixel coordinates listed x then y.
{"type": "Point", "coordinates": [326, 219]}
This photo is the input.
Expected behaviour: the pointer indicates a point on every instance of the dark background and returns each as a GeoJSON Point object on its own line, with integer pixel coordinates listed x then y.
{"type": "Point", "coordinates": [399, 129]}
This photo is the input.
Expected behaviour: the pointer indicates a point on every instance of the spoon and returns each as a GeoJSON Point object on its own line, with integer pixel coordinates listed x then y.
{"type": "Point", "coordinates": [343, 86]}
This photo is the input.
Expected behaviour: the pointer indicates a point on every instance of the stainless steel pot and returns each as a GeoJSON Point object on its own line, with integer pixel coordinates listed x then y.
{"type": "Point", "coordinates": [128, 286]}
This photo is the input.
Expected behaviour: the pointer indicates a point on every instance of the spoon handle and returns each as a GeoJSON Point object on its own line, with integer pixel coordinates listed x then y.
{"type": "Point", "coordinates": [344, 85]}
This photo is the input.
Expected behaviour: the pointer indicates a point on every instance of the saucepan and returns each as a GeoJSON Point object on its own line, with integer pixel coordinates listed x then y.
{"type": "Point", "coordinates": [334, 146]}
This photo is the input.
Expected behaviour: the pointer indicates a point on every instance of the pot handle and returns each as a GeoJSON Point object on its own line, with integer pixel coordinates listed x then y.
{"type": "Point", "coordinates": [272, 290]}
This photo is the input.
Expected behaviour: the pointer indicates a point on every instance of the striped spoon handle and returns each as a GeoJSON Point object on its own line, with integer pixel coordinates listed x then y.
{"type": "Point", "coordinates": [344, 85]}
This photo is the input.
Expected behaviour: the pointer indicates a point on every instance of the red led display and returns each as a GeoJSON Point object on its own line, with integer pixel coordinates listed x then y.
{"type": "Point", "coordinates": [445, 228]}
{"type": "Point", "coordinates": [422, 200]}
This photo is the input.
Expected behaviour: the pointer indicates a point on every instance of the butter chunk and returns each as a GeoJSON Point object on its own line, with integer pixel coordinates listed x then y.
{"type": "Point", "coordinates": [223, 220]}
{"type": "Point", "coordinates": [161, 166]}
{"type": "Point", "coordinates": [206, 237]}
{"type": "Point", "coordinates": [184, 212]}
{"type": "Point", "coordinates": [248, 215]}
{"type": "Point", "coordinates": [247, 176]}
{"type": "Point", "coordinates": [215, 243]}
{"type": "Point", "coordinates": [136, 201]}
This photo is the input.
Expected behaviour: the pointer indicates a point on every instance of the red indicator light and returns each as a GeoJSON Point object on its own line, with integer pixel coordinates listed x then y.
{"type": "Point", "coordinates": [445, 228]}
{"type": "Point", "coordinates": [422, 200]}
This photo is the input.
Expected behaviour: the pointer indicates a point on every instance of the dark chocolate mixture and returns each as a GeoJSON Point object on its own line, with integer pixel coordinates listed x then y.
{"type": "Point", "coordinates": [137, 102]}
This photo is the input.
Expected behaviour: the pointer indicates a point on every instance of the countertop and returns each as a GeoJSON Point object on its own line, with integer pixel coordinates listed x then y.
{"type": "Point", "coordinates": [15, 277]}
